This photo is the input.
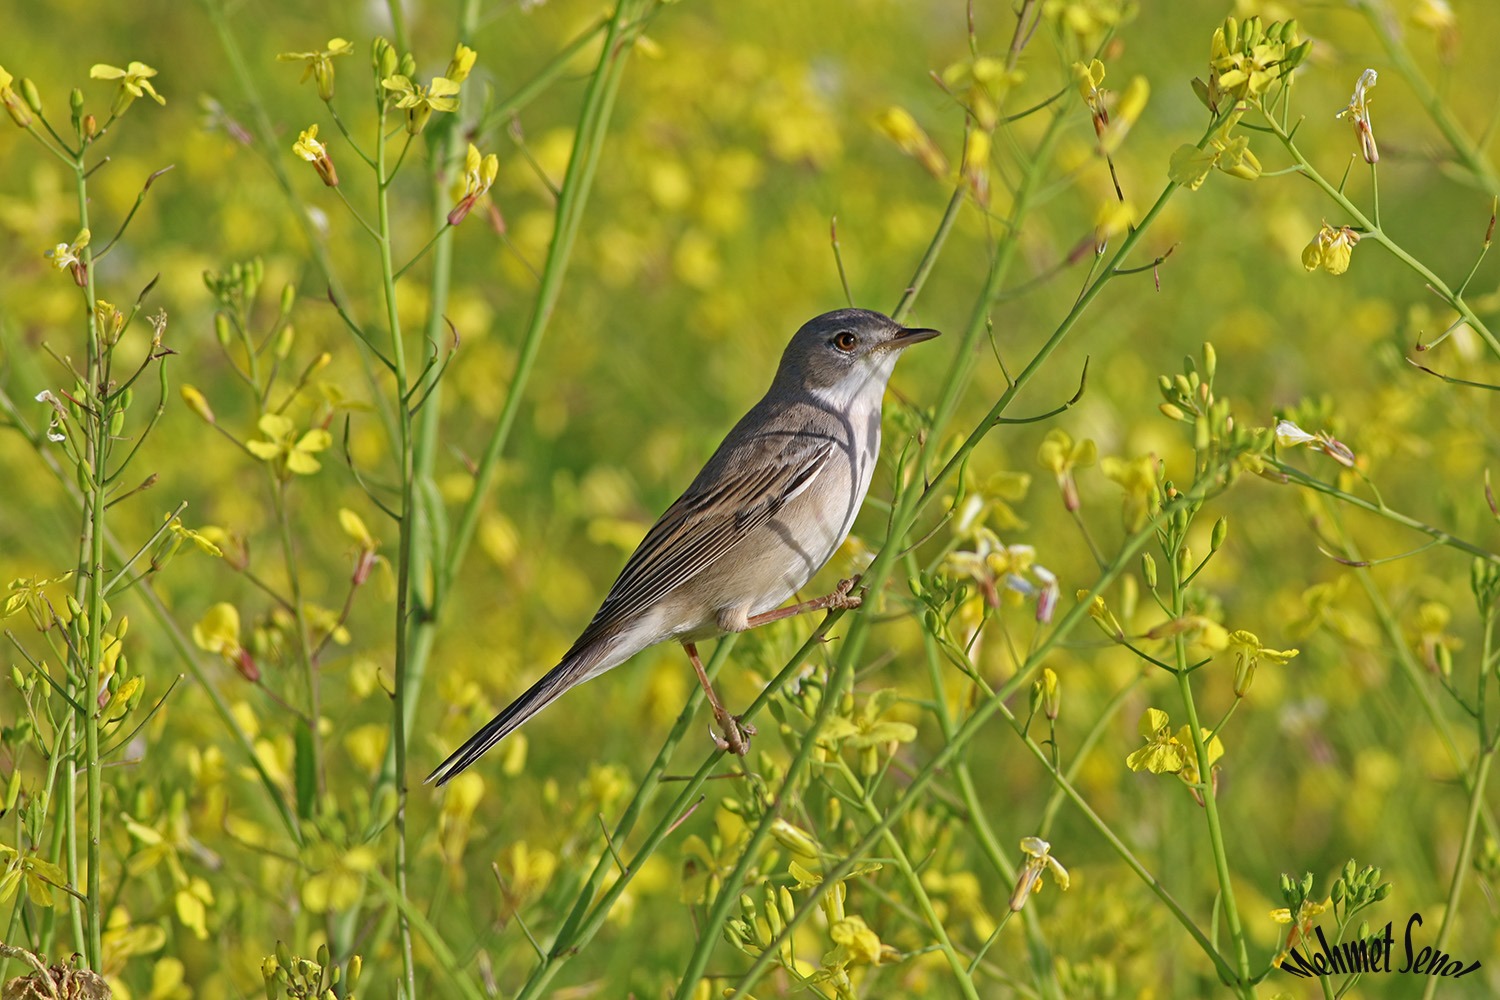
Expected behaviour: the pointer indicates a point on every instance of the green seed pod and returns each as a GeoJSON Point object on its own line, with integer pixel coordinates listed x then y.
{"type": "Point", "coordinates": [1201, 90]}
{"type": "Point", "coordinates": [221, 329]}
{"type": "Point", "coordinates": [1221, 532]}
{"type": "Point", "coordinates": [772, 909]}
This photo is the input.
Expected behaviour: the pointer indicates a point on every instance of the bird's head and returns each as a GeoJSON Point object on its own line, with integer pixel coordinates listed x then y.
{"type": "Point", "coordinates": [840, 356]}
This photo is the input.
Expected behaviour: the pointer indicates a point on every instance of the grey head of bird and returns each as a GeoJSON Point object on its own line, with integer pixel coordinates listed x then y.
{"type": "Point", "coordinates": [845, 354]}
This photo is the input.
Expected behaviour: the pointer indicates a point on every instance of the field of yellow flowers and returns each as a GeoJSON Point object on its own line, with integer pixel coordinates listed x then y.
{"type": "Point", "coordinates": [346, 354]}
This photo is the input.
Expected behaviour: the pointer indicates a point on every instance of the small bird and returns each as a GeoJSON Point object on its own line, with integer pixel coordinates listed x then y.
{"type": "Point", "coordinates": [772, 505]}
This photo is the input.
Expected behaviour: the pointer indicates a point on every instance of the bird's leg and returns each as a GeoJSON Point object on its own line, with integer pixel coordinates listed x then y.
{"type": "Point", "coordinates": [737, 734]}
{"type": "Point", "coordinates": [843, 598]}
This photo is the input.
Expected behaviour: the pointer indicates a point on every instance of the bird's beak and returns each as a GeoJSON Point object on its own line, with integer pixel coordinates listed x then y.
{"type": "Point", "coordinates": [913, 335]}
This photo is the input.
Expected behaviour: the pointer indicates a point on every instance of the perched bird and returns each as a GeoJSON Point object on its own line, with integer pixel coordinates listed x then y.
{"type": "Point", "coordinates": [767, 511]}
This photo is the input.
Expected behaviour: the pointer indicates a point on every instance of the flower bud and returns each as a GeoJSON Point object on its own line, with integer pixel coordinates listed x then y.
{"type": "Point", "coordinates": [288, 297]}
{"type": "Point", "coordinates": [1171, 411]}
{"type": "Point", "coordinates": [198, 403]}
{"type": "Point", "coordinates": [383, 58]}
{"type": "Point", "coordinates": [1148, 570]}
{"type": "Point", "coordinates": [32, 96]}
{"type": "Point", "coordinates": [1221, 532]}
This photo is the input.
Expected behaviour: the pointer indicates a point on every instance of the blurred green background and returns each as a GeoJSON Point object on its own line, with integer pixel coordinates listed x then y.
{"type": "Point", "coordinates": [741, 130]}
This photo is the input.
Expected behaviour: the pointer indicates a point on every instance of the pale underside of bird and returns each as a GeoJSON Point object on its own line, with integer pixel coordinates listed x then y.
{"type": "Point", "coordinates": [769, 509]}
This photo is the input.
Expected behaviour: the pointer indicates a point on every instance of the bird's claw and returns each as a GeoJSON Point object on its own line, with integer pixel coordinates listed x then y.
{"type": "Point", "coordinates": [736, 738]}
{"type": "Point", "coordinates": [847, 596]}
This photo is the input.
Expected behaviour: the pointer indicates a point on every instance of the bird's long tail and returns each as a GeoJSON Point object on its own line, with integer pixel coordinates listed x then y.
{"type": "Point", "coordinates": [576, 667]}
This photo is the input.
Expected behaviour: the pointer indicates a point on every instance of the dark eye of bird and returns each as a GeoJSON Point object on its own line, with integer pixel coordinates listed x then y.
{"type": "Point", "coordinates": [845, 341]}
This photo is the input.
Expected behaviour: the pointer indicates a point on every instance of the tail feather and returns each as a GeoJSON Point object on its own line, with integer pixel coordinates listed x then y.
{"type": "Point", "coordinates": [575, 668]}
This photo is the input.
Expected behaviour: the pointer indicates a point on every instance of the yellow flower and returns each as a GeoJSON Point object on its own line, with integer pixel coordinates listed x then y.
{"type": "Point", "coordinates": [857, 944]}
{"type": "Point", "coordinates": [461, 63]}
{"type": "Point", "coordinates": [135, 81]}
{"type": "Point", "coordinates": [313, 151]}
{"type": "Point", "coordinates": [420, 102]}
{"type": "Point", "coordinates": [339, 885]}
{"type": "Point", "coordinates": [902, 128]}
{"type": "Point", "coordinates": [1163, 752]}
{"type": "Point", "coordinates": [14, 106]}
{"type": "Point", "coordinates": [479, 177]}
{"type": "Point", "coordinates": [66, 255]}
{"type": "Point", "coordinates": [283, 445]}
{"type": "Point", "coordinates": [1331, 249]}
{"type": "Point", "coordinates": [1138, 478]}
{"type": "Point", "coordinates": [1039, 860]}
{"type": "Point", "coordinates": [320, 64]}
{"type": "Point", "coordinates": [1248, 652]}
{"type": "Point", "coordinates": [1190, 166]}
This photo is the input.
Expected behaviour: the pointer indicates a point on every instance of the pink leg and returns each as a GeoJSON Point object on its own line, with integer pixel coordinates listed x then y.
{"type": "Point", "coordinates": [842, 598]}
{"type": "Point", "coordinates": [737, 734]}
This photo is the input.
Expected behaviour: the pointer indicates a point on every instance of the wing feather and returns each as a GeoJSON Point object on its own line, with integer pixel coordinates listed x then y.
{"type": "Point", "coordinates": [705, 524]}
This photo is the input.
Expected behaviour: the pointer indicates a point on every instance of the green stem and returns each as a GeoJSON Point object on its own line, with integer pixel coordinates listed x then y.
{"type": "Point", "coordinates": [91, 582]}
{"type": "Point", "coordinates": [913, 884]}
{"type": "Point", "coordinates": [304, 634]}
{"type": "Point", "coordinates": [404, 549]}
{"type": "Point", "coordinates": [593, 124]}
{"type": "Point", "coordinates": [1469, 155]}
{"type": "Point", "coordinates": [1211, 805]}
{"type": "Point", "coordinates": [1373, 231]}
{"type": "Point", "coordinates": [1465, 856]}
{"type": "Point", "coordinates": [587, 916]}
{"type": "Point", "coordinates": [976, 722]}
{"type": "Point", "coordinates": [1043, 968]}
{"type": "Point", "coordinates": [1301, 478]}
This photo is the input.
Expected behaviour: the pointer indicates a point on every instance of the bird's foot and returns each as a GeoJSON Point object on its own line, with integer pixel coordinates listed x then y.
{"type": "Point", "coordinates": [736, 738]}
{"type": "Point", "coordinates": [847, 596]}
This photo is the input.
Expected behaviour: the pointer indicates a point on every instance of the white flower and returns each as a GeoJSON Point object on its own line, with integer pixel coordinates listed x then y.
{"type": "Point", "coordinates": [1289, 434]}
{"type": "Point", "coordinates": [1359, 112]}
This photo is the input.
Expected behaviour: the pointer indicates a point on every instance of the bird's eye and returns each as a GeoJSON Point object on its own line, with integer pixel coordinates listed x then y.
{"type": "Point", "coordinates": [845, 341]}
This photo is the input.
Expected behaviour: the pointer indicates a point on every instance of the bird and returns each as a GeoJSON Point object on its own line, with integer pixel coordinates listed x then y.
{"type": "Point", "coordinates": [768, 510]}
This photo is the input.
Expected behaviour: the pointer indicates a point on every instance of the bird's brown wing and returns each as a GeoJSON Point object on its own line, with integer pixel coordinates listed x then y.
{"type": "Point", "coordinates": [707, 522]}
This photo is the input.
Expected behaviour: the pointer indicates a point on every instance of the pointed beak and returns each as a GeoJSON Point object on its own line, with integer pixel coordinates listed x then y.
{"type": "Point", "coordinates": [913, 335]}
